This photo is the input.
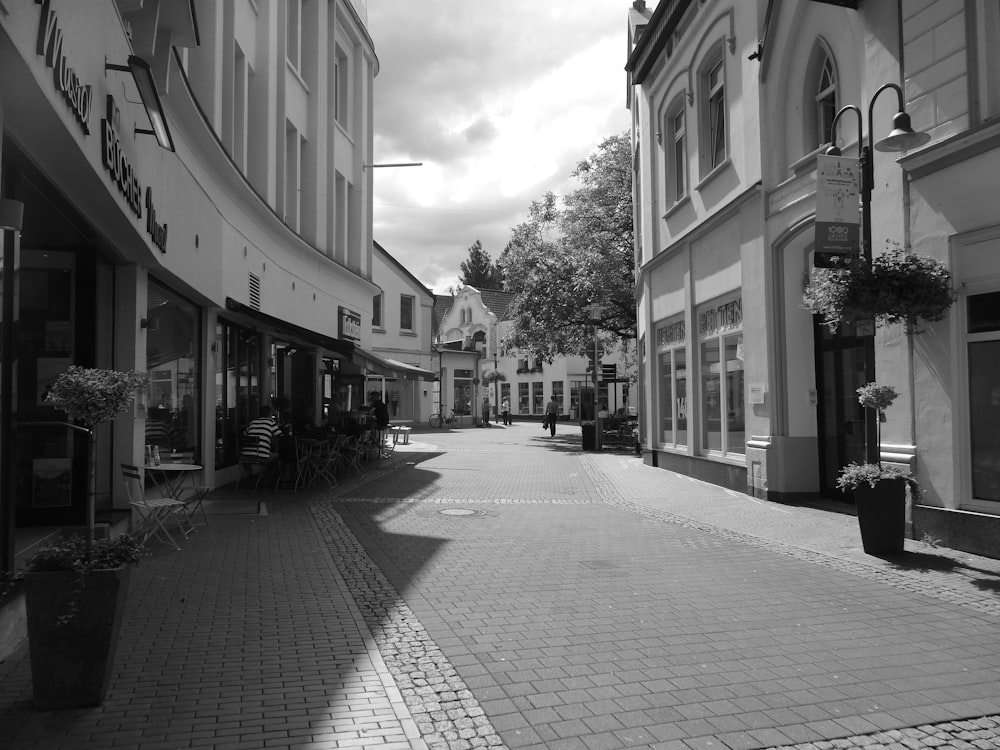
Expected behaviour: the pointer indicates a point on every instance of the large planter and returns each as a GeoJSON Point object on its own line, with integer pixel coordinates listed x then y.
{"type": "Point", "coordinates": [589, 437]}
{"type": "Point", "coordinates": [882, 515]}
{"type": "Point", "coordinates": [72, 659]}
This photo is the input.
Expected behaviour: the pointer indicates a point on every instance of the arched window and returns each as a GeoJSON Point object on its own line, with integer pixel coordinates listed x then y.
{"type": "Point", "coordinates": [821, 93]}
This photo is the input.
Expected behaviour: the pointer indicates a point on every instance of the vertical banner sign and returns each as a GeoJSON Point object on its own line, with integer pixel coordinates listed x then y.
{"type": "Point", "coordinates": [837, 214]}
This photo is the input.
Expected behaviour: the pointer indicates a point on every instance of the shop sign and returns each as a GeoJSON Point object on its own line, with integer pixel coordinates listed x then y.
{"type": "Point", "coordinates": [670, 335]}
{"type": "Point", "coordinates": [116, 160]}
{"type": "Point", "coordinates": [722, 318]}
{"type": "Point", "coordinates": [50, 44]}
{"type": "Point", "coordinates": [836, 209]}
{"type": "Point", "coordinates": [350, 325]}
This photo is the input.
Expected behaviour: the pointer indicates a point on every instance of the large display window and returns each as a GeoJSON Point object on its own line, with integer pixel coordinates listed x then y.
{"type": "Point", "coordinates": [984, 394]}
{"type": "Point", "coordinates": [172, 336]}
{"type": "Point", "coordinates": [723, 390]}
{"type": "Point", "coordinates": [673, 390]}
{"type": "Point", "coordinates": [237, 387]}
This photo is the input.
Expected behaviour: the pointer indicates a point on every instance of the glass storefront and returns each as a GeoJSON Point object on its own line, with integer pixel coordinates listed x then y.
{"type": "Point", "coordinates": [237, 387]}
{"type": "Point", "coordinates": [984, 394]}
{"type": "Point", "coordinates": [723, 391]}
{"type": "Point", "coordinates": [172, 335]}
{"type": "Point", "coordinates": [670, 343]}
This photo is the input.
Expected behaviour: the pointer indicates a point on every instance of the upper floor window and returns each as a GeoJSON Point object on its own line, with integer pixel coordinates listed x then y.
{"type": "Point", "coordinates": [676, 153]}
{"type": "Point", "coordinates": [715, 113]}
{"type": "Point", "coordinates": [406, 312]}
{"type": "Point", "coordinates": [293, 33]}
{"type": "Point", "coordinates": [377, 311]}
{"type": "Point", "coordinates": [826, 101]}
{"type": "Point", "coordinates": [987, 68]}
{"type": "Point", "coordinates": [342, 87]}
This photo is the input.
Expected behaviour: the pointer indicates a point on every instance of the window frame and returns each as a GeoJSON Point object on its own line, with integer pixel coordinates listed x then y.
{"type": "Point", "coordinates": [676, 151]}
{"type": "Point", "coordinates": [718, 330]}
{"type": "Point", "coordinates": [714, 105]}
{"type": "Point", "coordinates": [404, 312]}
{"type": "Point", "coordinates": [293, 34]}
{"type": "Point", "coordinates": [378, 306]}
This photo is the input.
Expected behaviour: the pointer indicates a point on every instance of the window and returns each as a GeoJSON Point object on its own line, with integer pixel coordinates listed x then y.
{"type": "Point", "coordinates": [671, 342]}
{"type": "Point", "coordinates": [293, 183]}
{"type": "Point", "coordinates": [557, 391]}
{"type": "Point", "coordinates": [240, 104]}
{"type": "Point", "coordinates": [826, 102]}
{"type": "Point", "coordinates": [522, 398]}
{"type": "Point", "coordinates": [406, 312]}
{"type": "Point", "coordinates": [342, 87]}
{"type": "Point", "coordinates": [676, 154]}
{"type": "Point", "coordinates": [537, 398]}
{"type": "Point", "coordinates": [723, 405]}
{"type": "Point", "coordinates": [172, 363]}
{"type": "Point", "coordinates": [293, 33]}
{"type": "Point", "coordinates": [237, 387]}
{"type": "Point", "coordinates": [984, 394]}
{"type": "Point", "coordinates": [377, 311]}
{"type": "Point", "coordinates": [714, 150]}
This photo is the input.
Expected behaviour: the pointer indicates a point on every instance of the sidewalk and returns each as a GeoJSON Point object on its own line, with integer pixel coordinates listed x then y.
{"type": "Point", "coordinates": [277, 628]}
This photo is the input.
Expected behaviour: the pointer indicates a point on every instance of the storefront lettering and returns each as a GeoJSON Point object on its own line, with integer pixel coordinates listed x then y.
{"type": "Point", "coordinates": [350, 325]}
{"type": "Point", "coordinates": [157, 232]}
{"type": "Point", "coordinates": [670, 335]}
{"type": "Point", "coordinates": [116, 161]}
{"type": "Point", "coordinates": [721, 318]}
{"type": "Point", "coordinates": [64, 77]}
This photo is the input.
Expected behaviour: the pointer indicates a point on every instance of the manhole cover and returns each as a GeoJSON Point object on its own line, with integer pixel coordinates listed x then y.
{"type": "Point", "coordinates": [458, 512]}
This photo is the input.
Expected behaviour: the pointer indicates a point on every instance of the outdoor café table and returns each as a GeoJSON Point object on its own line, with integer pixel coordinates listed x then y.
{"type": "Point", "coordinates": [178, 479]}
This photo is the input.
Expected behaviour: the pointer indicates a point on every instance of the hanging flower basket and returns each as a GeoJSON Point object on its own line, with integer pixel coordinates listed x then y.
{"type": "Point", "coordinates": [895, 287]}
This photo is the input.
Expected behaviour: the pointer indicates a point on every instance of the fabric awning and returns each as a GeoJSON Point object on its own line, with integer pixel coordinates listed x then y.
{"type": "Point", "coordinates": [291, 330]}
{"type": "Point", "coordinates": [412, 372]}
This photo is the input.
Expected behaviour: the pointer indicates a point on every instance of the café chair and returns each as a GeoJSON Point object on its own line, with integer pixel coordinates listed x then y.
{"type": "Point", "coordinates": [153, 512]}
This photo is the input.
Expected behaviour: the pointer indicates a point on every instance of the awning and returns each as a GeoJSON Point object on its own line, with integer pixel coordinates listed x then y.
{"type": "Point", "coordinates": [412, 372]}
{"type": "Point", "coordinates": [291, 330]}
{"type": "Point", "coordinates": [390, 368]}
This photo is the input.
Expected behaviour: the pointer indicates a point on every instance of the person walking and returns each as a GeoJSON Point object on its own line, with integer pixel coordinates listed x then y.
{"type": "Point", "coordinates": [552, 414]}
{"type": "Point", "coordinates": [505, 410]}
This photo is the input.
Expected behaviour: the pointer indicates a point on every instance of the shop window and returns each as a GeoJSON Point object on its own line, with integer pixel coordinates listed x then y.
{"type": "Point", "coordinates": [671, 342]}
{"type": "Point", "coordinates": [237, 394]}
{"type": "Point", "coordinates": [723, 401]}
{"type": "Point", "coordinates": [522, 399]}
{"type": "Point", "coordinates": [984, 394]}
{"type": "Point", "coordinates": [172, 336]}
{"type": "Point", "coordinates": [537, 398]}
{"type": "Point", "coordinates": [557, 391]}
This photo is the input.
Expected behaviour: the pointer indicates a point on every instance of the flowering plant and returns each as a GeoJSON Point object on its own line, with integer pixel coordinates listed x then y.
{"type": "Point", "coordinates": [853, 475]}
{"type": "Point", "coordinates": [92, 396]}
{"type": "Point", "coordinates": [896, 287]}
{"type": "Point", "coordinates": [70, 553]}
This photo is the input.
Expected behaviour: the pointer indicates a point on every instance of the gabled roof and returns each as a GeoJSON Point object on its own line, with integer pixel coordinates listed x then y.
{"type": "Point", "coordinates": [404, 269]}
{"type": "Point", "coordinates": [442, 304]}
{"type": "Point", "coordinates": [497, 302]}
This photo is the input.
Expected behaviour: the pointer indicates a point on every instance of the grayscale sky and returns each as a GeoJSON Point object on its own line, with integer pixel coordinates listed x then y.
{"type": "Point", "coordinates": [499, 99]}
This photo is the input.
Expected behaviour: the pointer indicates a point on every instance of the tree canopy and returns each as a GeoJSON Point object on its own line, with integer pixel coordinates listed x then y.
{"type": "Point", "coordinates": [574, 252]}
{"type": "Point", "coordinates": [479, 270]}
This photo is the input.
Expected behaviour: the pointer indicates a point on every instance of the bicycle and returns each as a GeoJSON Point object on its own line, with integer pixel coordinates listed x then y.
{"type": "Point", "coordinates": [437, 419]}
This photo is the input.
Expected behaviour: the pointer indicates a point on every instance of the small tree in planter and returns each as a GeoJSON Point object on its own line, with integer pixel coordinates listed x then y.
{"type": "Point", "coordinates": [879, 491]}
{"type": "Point", "coordinates": [896, 287]}
{"type": "Point", "coordinates": [75, 588]}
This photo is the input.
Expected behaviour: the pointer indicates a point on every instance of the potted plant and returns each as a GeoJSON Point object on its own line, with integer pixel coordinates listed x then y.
{"type": "Point", "coordinates": [879, 491]}
{"type": "Point", "coordinates": [75, 596]}
{"type": "Point", "coordinates": [75, 587]}
{"type": "Point", "coordinates": [896, 287]}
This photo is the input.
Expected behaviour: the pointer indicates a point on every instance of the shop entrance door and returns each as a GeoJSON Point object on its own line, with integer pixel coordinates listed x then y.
{"type": "Point", "coordinates": [840, 371]}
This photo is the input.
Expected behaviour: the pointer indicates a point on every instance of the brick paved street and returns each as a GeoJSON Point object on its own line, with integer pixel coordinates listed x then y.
{"type": "Point", "coordinates": [500, 588]}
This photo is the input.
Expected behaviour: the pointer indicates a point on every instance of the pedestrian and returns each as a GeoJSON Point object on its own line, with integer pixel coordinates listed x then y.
{"type": "Point", "coordinates": [264, 431]}
{"type": "Point", "coordinates": [552, 414]}
{"type": "Point", "coordinates": [505, 410]}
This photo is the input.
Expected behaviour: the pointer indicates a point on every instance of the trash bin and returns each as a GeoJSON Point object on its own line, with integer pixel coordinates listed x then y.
{"type": "Point", "coordinates": [589, 437]}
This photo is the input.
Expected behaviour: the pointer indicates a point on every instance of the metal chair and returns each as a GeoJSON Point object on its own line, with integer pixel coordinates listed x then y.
{"type": "Point", "coordinates": [154, 511]}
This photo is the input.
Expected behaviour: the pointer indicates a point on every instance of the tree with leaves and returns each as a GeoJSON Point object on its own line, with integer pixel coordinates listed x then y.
{"type": "Point", "coordinates": [479, 270]}
{"type": "Point", "coordinates": [572, 253]}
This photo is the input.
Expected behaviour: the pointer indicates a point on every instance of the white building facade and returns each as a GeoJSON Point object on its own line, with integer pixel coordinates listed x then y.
{"type": "Point", "coordinates": [793, 67]}
{"type": "Point", "coordinates": [232, 263]}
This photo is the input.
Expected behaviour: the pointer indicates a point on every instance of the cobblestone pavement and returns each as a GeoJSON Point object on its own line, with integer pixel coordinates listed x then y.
{"type": "Point", "coordinates": [500, 588]}
{"type": "Point", "coordinates": [587, 600]}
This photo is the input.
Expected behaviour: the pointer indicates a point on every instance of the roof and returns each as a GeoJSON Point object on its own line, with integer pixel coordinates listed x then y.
{"type": "Point", "coordinates": [442, 304]}
{"type": "Point", "coordinates": [401, 267]}
{"type": "Point", "coordinates": [497, 302]}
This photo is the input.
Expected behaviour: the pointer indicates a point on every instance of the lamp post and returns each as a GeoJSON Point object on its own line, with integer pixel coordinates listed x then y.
{"type": "Point", "coordinates": [901, 138]}
{"type": "Point", "coordinates": [594, 313]}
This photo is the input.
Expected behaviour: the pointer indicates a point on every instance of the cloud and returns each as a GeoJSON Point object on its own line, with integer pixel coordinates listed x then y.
{"type": "Point", "coordinates": [499, 100]}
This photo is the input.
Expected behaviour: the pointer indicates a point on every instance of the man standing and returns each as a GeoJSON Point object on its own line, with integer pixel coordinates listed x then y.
{"type": "Point", "coordinates": [552, 414]}
{"type": "Point", "coordinates": [505, 410]}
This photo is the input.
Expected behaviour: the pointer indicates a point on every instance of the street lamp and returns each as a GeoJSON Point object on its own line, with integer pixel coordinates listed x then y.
{"type": "Point", "coordinates": [901, 138]}
{"type": "Point", "coordinates": [594, 313]}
